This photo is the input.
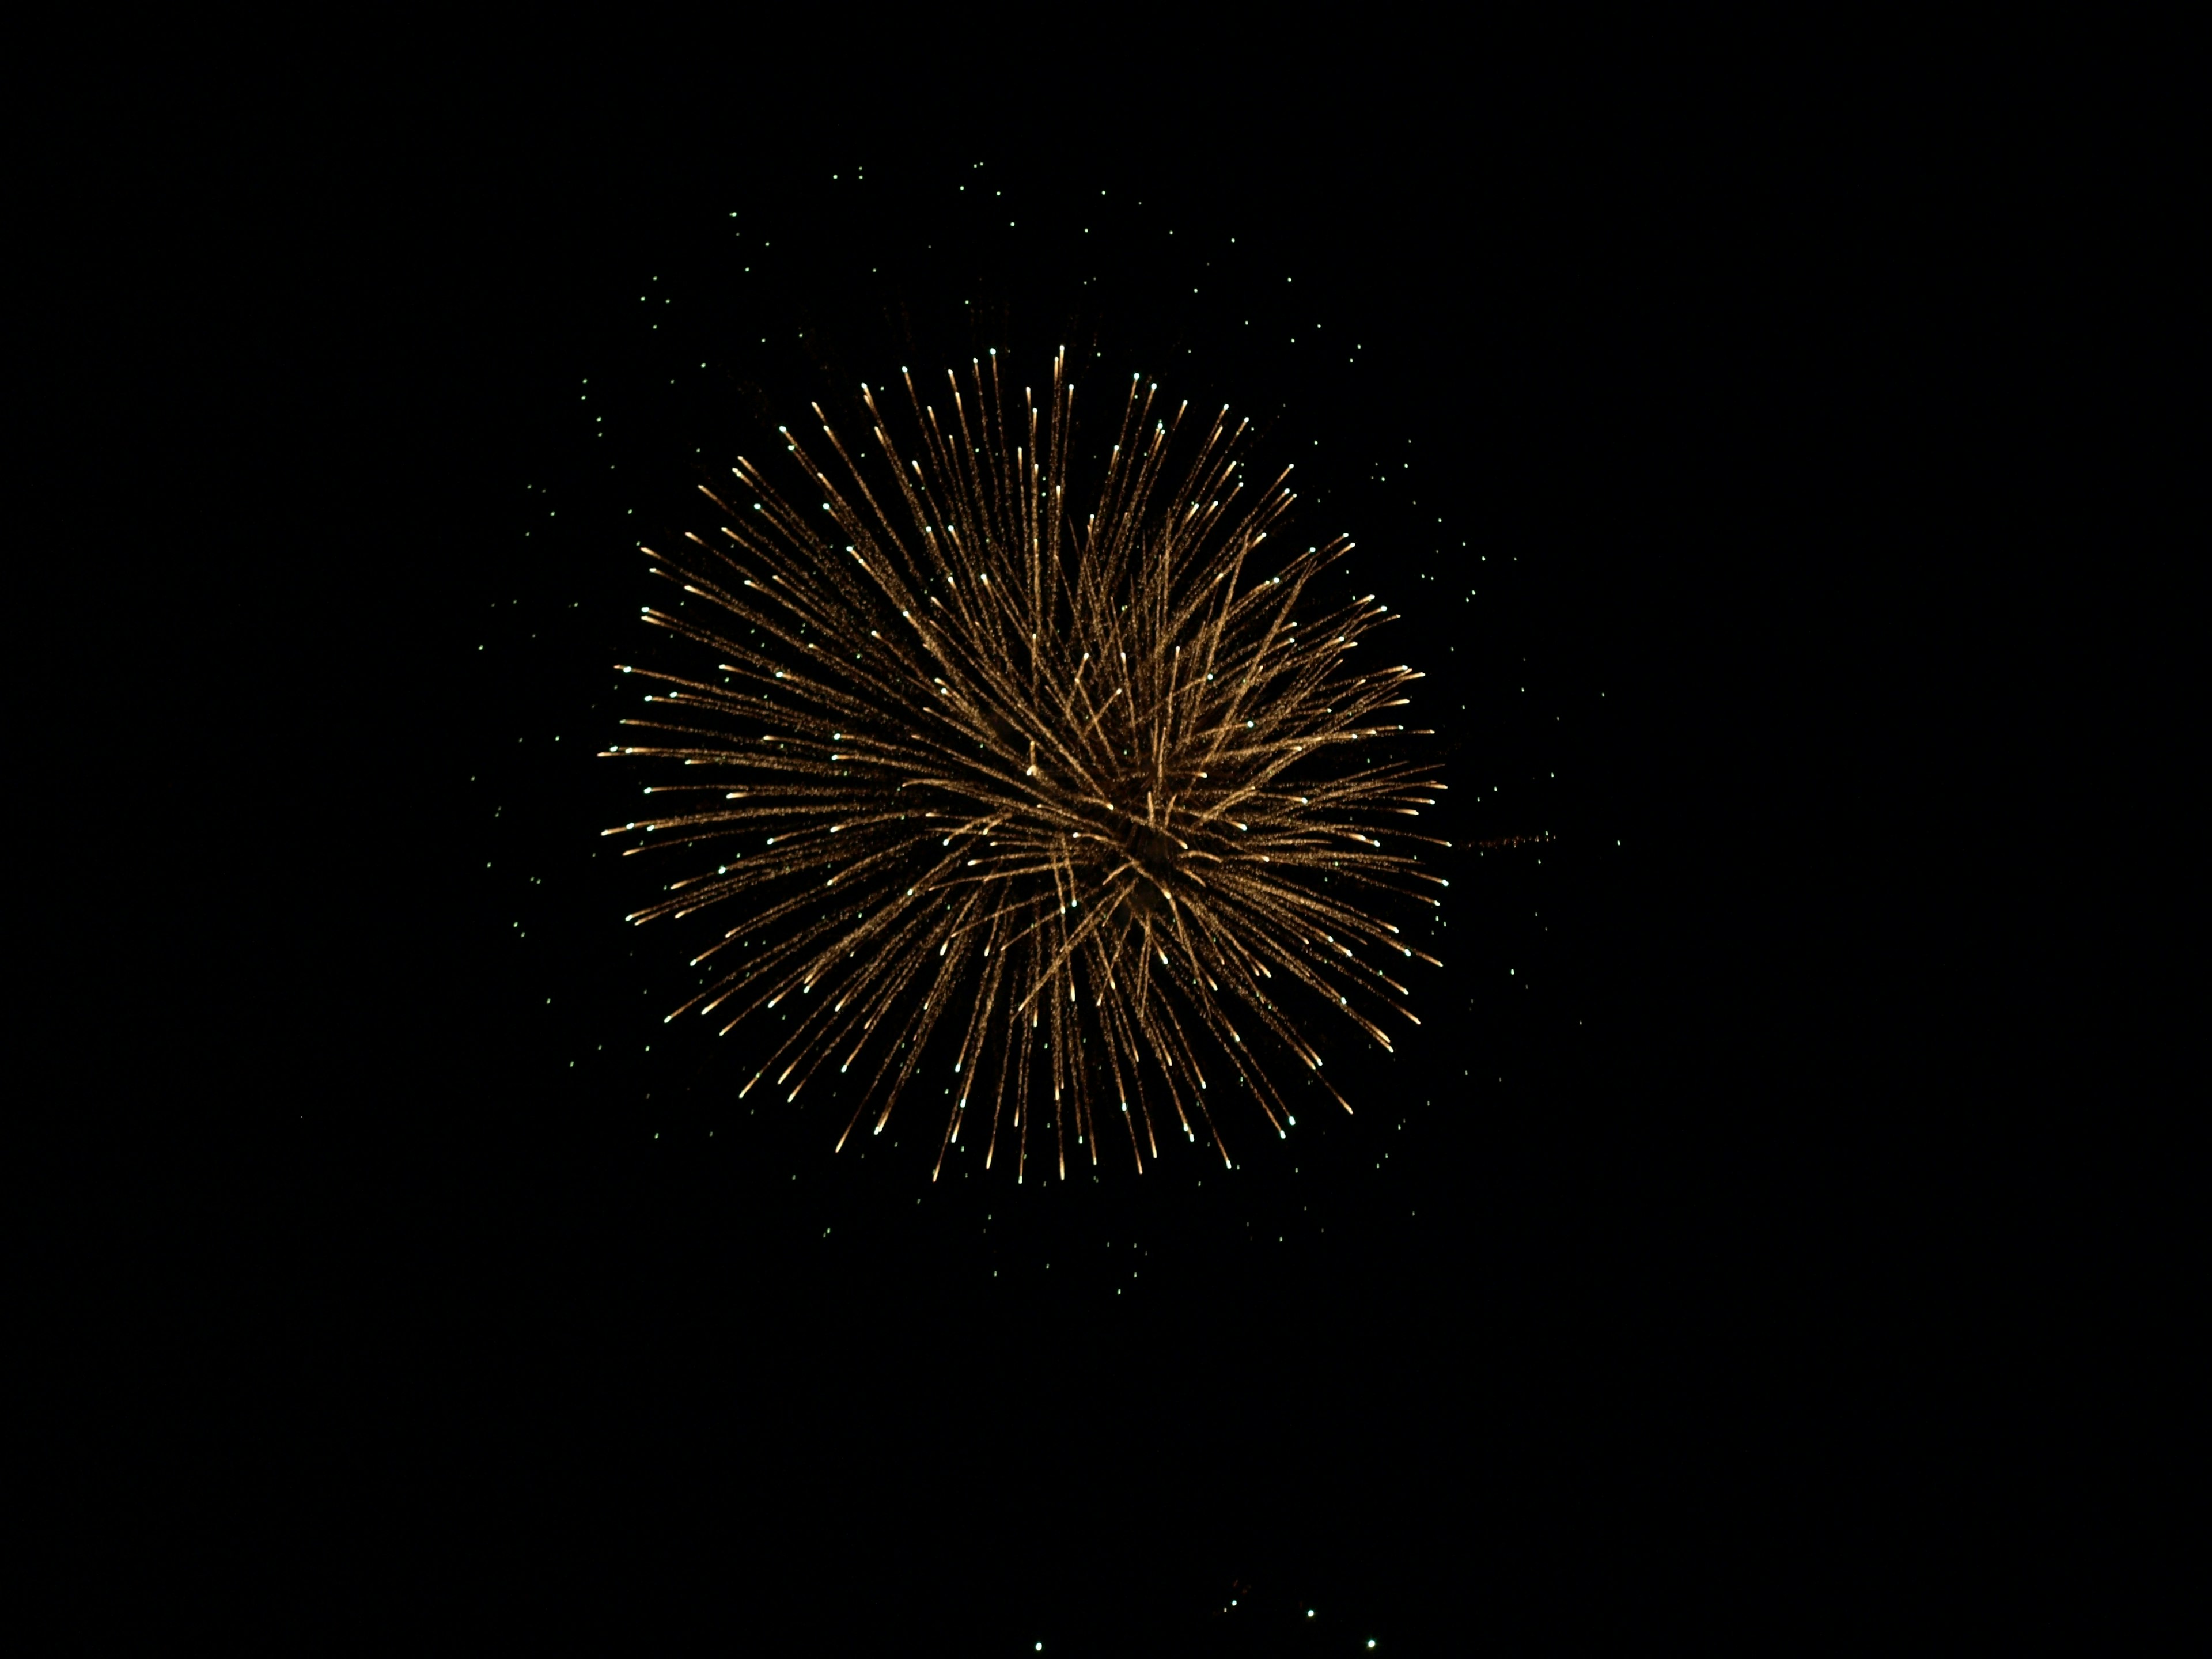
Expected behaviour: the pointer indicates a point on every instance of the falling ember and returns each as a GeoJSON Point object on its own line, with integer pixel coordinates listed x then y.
{"type": "Point", "coordinates": [1062, 790]}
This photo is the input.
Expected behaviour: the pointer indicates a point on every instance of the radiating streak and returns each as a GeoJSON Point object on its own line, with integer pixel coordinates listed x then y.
{"type": "Point", "coordinates": [1104, 871]}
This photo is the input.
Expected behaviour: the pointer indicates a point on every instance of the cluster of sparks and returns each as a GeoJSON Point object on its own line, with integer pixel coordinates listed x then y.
{"type": "Point", "coordinates": [1078, 798]}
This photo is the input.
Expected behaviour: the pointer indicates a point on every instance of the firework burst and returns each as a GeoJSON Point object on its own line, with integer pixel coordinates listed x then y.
{"type": "Point", "coordinates": [1078, 793]}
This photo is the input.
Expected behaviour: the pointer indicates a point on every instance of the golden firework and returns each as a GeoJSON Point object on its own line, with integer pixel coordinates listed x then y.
{"type": "Point", "coordinates": [1091, 794]}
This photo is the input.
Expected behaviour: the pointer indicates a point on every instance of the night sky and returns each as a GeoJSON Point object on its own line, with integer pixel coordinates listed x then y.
{"type": "Point", "coordinates": [478, 1298]}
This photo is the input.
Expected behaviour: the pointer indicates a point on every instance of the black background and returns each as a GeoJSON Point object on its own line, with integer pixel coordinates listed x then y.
{"type": "Point", "coordinates": [424, 1279]}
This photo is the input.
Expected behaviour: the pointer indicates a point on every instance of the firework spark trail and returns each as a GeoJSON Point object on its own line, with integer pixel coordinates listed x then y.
{"type": "Point", "coordinates": [1077, 792]}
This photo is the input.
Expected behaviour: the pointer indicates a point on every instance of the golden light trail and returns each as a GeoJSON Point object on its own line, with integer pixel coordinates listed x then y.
{"type": "Point", "coordinates": [1066, 789]}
